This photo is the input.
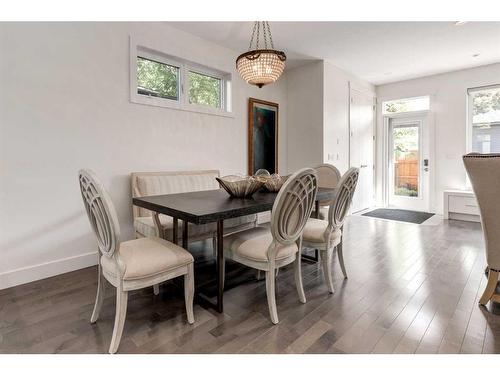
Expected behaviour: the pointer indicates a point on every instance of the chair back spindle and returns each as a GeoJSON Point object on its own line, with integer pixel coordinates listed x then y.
{"type": "Point", "coordinates": [100, 211]}
{"type": "Point", "coordinates": [342, 198]}
{"type": "Point", "coordinates": [293, 206]}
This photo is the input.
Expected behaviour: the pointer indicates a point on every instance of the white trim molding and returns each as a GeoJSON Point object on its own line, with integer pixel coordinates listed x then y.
{"type": "Point", "coordinates": [43, 270]}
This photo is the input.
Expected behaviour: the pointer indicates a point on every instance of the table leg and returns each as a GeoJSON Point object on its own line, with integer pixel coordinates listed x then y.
{"type": "Point", "coordinates": [185, 234]}
{"type": "Point", "coordinates": [175, 228]}
{"type": "Point", "coordinates": [220, 266]}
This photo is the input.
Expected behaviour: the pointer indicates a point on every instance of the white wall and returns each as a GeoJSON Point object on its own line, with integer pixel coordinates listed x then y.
{"type": "Point", "coordinates": [305, 115]}
{"type": "Point", "coordinates": [64, 105]}
{"type": "Point", "coordinates": [336, 113]}
{"type": "Point", "coordinates": [318, 114]}
{"type": "Point", "coordinates": [449, 111]}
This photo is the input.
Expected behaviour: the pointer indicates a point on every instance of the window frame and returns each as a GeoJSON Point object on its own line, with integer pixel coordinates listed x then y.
{"type": "Point", "coordinates": [390, 114]}
{"type": "Point", "coordinates": [184, 66]}
{"type": "Point", "coordinates": [470, 112]}
{"type": "Point", "coordinates": [469, 123]}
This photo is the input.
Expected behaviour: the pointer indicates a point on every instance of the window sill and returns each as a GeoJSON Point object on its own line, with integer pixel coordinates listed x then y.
{"type": "Point", "coordinates": [165, 103]}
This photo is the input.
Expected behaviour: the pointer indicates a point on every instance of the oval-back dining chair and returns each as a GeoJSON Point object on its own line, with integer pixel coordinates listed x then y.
{"type": "Point", "coordinates": [268, 250]}
{"type": "Point", "coordinates": [328, 177]}
{"type": "Point", "coordinates": [484, 174]}
{"type": "Point", "coordinates": [129, 265]}
{"type": "Point", "coordinates": [325, 235]}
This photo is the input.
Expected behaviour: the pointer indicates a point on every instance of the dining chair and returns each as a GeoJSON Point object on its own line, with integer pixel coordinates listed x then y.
{"type": "Point", "coordinates": [484, 175]}
{"type": "Point", "coordinates": [269, 250]}
{"type": "Point", "coordinates": [325, 235]}
{"type": "Point", "coordinates": [328, 177]}
{"type": "Point", "coordinates": [129, 265]}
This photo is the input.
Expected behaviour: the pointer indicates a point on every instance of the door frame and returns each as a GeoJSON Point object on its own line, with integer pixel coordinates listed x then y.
{"type": "Point", "coordinates": [429, 122]}
{"type": "Point", "coordinates": [369, 93]}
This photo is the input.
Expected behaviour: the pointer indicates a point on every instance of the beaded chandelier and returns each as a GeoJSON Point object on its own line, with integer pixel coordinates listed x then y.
{"type": "Point", "coordinates": [261, 66]}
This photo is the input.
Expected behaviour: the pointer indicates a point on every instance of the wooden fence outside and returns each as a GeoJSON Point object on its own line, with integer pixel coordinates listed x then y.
{"type": "Point", "coordinates": [407, 174]}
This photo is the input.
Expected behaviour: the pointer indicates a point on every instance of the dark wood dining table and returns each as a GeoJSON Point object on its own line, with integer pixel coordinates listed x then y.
{"type": "Point", "coordinates": [213, 206]}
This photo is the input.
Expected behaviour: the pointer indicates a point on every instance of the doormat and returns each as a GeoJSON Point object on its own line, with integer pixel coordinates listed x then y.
{"type": "Point", "coordinates": [415, 217]}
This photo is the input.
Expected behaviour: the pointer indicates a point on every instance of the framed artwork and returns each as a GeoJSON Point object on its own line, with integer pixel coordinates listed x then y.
{"type": "Point", "coordinates": [262, 136]}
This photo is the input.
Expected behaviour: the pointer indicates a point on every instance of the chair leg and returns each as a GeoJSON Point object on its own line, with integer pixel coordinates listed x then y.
{"type": "Point", "coordinates": [326, 264]}
{"type": "Point", "coordinates": [257, 275]}
{"type": "Point", "coordinates": [156, 289]}
{"type": "Point", "coordinates": [298, 279]}
{"type": "Point", "coordinates": [189, 293]}
{"type": "Point", "coordinates": [340, 255]}
{"type": "Point", "coordinates": [490, 287]}
{"type": "Point", "coordinates": [214, 246]}
{"type": "Point", "coordinates": [271, 295]}
{"type": "Point", "coordinates": [100, 295]}
{"type": "Point", "coordinates": [121, 312]}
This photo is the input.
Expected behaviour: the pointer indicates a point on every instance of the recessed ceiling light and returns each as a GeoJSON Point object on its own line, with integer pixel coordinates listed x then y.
{"type": "Point", "coordinates": [476, 55]}
{"type": "Point", "coordinates": [460, 23]}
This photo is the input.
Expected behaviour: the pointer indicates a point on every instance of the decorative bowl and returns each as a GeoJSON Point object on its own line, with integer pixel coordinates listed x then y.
{"type": "Point", "coordinates": [262, 175]}
{"type": "Point", "coordinates": [240, 186]}
{"type": "Point", "coordinates": [274, 182]}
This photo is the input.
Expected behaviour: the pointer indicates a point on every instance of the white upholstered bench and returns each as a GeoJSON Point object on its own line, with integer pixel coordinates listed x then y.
{"type": "Point", "coordinates": [158, 183]}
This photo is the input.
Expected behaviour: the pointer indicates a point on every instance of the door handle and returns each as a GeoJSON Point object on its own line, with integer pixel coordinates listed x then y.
{"type": "Point", "coordinates": [363, 166]}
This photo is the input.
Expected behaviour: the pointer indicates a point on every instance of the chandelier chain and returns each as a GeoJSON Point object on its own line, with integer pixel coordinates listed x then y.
{"type": "Point", "coordinates": [253, 35]}
{"type": "Point", "coordinates": [258, 35]}
{"type": "Point", "coordinates": [270, 35]}
{"type": "Point", "coordinates": [265, 33]}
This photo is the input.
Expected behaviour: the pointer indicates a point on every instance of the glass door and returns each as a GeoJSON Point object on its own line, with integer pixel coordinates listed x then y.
{"type": "Point", "coordinates": [406, 165]}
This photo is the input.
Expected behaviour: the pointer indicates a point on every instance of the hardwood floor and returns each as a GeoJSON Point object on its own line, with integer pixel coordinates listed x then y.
{"type": "Point", "coordinates": [411, 289]}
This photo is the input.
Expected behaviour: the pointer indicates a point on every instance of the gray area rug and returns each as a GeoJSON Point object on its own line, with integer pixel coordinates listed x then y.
{"type": "Point", "coordinates": [407, 216]}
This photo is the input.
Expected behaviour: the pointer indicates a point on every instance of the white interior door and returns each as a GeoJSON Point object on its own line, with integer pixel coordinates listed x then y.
{"type": "Point", "coordinates": [361, 147]}
{"type": "Point", "coordinates": [408, 163]}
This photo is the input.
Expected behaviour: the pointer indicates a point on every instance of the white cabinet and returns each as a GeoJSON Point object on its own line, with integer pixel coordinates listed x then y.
{"type": "Point", "coordinates": [461, 205]}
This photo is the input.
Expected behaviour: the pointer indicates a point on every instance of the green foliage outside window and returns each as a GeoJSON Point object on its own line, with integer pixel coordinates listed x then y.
{"type": "Point", "coordinates": [157, 79]}
{"type": "Point", "coordinates": [486, 106]}
{"type": "Point", "coordinates": [204, 90]}
{"type": "Point", "coordinates": [162, 80]}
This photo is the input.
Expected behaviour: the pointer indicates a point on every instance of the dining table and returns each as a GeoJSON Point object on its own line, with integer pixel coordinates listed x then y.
{"type": "Point", "coordinates": [213, 206]}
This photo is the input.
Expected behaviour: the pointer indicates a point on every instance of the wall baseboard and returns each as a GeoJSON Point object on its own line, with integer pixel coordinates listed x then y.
{"type": "Point", "coordinates": [41, 271]}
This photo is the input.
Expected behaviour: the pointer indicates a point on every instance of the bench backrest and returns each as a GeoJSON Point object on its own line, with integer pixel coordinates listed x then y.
{"type": "Point", "coordinates": [158, 183]}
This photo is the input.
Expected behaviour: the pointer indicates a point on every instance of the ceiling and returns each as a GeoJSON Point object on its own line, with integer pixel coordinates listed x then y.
{"type": "Point", "coordinates": [378, 52]}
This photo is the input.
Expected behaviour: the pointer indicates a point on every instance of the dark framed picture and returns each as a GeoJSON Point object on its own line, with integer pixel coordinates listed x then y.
{"type": "Point", "coordinates": [262, 136]}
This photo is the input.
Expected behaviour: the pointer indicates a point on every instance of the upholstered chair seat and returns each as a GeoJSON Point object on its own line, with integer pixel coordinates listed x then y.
{"type": "Point", "coordinates": [252, 244]}
{"type": "Point", "coordinates": [323, 212]}
{"type": "Point", "coordinates": [326, 235]}
{"type": "Point", "coordinates": [129, 265]}
{"type": "Point", "coordinates": [314, 233]}
{"type": "Point", "coordinates": [267, 249]}
{"type": "Point", "coordinates": [147, 257]}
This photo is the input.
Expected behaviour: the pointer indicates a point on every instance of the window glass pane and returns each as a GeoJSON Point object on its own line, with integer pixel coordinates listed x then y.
{"type": "Point", "coordinates": [486, 120]}
{"type": "Point", "coordinates": [157, 79]}
{"type": "Point", "coordinates": [486, 106]}
{"type": "Point", "coordinates": [204, 90]}
{"type": "Point", "coordinates": [406, 105]}
{"type": "Point", "coordinates": [406, 160]}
